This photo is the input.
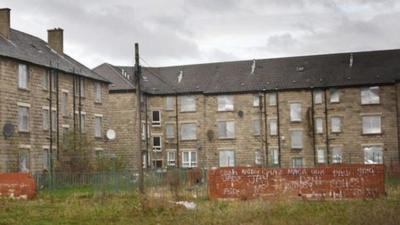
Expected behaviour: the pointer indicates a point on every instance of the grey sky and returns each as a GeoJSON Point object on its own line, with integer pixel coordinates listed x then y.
{"type": "Point", "coordinates": [195, 31]}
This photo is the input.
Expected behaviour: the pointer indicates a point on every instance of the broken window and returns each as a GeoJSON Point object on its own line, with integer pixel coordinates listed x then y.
{"type": "Point", "coordinates": [225, 103]}
{"type": "Point", "coordinates": [370, 95]}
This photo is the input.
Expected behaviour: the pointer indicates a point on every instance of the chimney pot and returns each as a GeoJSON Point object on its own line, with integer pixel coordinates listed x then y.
{"type": "Point", "coordinates": [5, 23]}
{"type": "Point", "coordinates": [55, 38]}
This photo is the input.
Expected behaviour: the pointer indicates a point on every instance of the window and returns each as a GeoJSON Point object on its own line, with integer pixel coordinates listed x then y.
{"type": "Point", "coordinates": [170, 131]}
{"type": "Point", "coordinates": [64, 103]}
{"type": "Point", "coordinates": [335, 95]}
{"type": "Point", "coordinates": [53, 120]}
{"type": "Point", "coordinates": [225, 103]}
{"type": "Point", "coordinates": [226, 158]}
{"type": "Point", "coordinates": [256, 100]}
{"type": "Point", "coordinates": [318, 97]}
{"type": "Point", "coordinates": [46, 119]}
{"type": "Point", "coordinates": [156, 143]}
{"type": "Point", "coordinates": [319, 128]}
{"type": "Point", "coordinates": [99, 152]}
{"type": "Point", "coordinates": [82, 122]}
{"type": "Point", "coordinates": [370, 95]}
{"type": "Point", "coordinates": [188, 103]}
{"type": "Point", "coordinates": [169, 103]}
{"type": "Point", "coordinates": [171, 157]}
{"type": "Point", "coordinates": [258, 157]}
{"type": "Point", "coordinates": [373, 154]}
{"type": "Point", "coordinates": [336, 124]}
{"type": "Point", "coordinates": [98, 92]}
{"type": "Point", "coordinates": [257, 127]}
{"type": "Point", "coordinates": [24, 161]}
{"type": "Point", "coordinates": [272, 99]}
{"type": "Point", "coordinates": [273, 127]}
{"type": "Point", "coordinates": [156, 118]}
{"type": "Point", "coordinates": [320, 154]}
{"type": "Point", "coordinates": [337, 155]}
{"type": "Point", "coordinates": [157, 163]}
{"type": "Point", "coordinates": [53, 82]}
{"type": "Point", "coordinates": [45, 80]}
{"type": "Point", "coordinates": [82, 87]}
{"type": "Point", "coordinates": [371, 124]}
{"type": "Point", "coordinates": [98, 126]}
{"type": "Point", "coordinates": [274, 155]}
{"type": "Point", "coordinates": [189, 159]}
{"type": "Point", "coordinates": [226, 129]}
{"type": "Point", "coordinates": [46, 158]}
{"type": "Point", "coordinates": [23, 118]}
{"type": "Point", "coordinates": [296, 137]}
{"type": "Point", "coordinates": [297, 162]}
{"type": "Point", "coordinates": [295, 112]}
{"type": "Point", "coordinates": [189, 131]}
{"type": "Point", "coordinates": [23, 77]}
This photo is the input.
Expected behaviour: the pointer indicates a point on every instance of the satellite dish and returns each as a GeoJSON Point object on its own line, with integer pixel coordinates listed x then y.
{"type": "Point", "coordinates": [111, 135]}
{"type": "Point", "coordinates": [8, 130]}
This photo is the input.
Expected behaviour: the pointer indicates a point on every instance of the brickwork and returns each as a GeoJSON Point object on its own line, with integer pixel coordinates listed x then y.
{"type": "Point", "coordinates": [36, 97]}
{"type": "Point", "coordinates": [17, 185]}
{"type": "Point", "coordinates": [328, 182]}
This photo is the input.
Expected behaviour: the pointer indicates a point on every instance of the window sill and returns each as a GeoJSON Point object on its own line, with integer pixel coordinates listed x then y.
{"type": "Point", "coordinates": [226, 110]}
{"type": "Point", "coordinates": [334, 102]}
{"type": "Point", "coordinates": [98, 138]}
{"type": "Point", "coordinates": [372, 134]}
{"type": "Point", "coordinates": [366, 104]}
{"type": "Point", "coordinates": [227, 138]}
{"type": "Point", "coordinates": [98, 103]}
{"type": "Point", "coordinates": [296, 121]}
{"type": "Point", "coordinates": [24, 132]}
{"type": "Point", "coordinates": [155, 125]}
{"type": "Point", "coordinates": [187, 111]}
{"type": "Point", "coordinates": [297, 148]}
{"type": "Point", "coordinates": [24, 89]}
{"type": "Point", "coordinates": [336, 132]}
{"type": "Point", "coordinates": [188, 139]}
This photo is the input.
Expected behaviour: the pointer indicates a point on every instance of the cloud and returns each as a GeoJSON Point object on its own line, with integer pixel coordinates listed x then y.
{"type": "Point", "coordinates": [198, 31]}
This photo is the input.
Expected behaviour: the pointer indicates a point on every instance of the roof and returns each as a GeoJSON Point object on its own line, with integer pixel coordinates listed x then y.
{"type": "Point", "coordinates": [34, 50]}
{"type": "Point", "coordinates": [300, 72]}
{"type": "Point", "coordinates": [119, 82]}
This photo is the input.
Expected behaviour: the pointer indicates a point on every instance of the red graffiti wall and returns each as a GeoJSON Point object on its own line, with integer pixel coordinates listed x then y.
{"type": "Point", "coordinates": [17, 185]}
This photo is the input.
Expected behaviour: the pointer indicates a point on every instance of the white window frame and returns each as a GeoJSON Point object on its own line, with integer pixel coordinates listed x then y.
{"type": "Point", "coordinates": [230, 161]}
{"type": "Point", "coordinates": [334, 94]}
{"type": "Point", "coordinates": [272, 98]}
{"type": "Point", "coordinates": [226, 124]}
{"type": "Point", "coordinates": [98, 128]}
{"type": "Point", "coordinates": [156, 123]}
{"type": "Point", "coordinates": [156, 148]}
{"type": "Point", "coordinates": [293, 144]}
{"type": "Point", "coordinates": [337, 154]}
{"type": "Point", "coordinates": [319, 125]}
{"type": "Point", "coordinates": [273, 126]}
{"type": "Point", "coordinates": [168, 134]}
{"type": "Point", "coordinates": [318, 97]}
{"type": "Point", "coordinates": [274, 151]}
{"type": "Point", "coordinates": [22, 150]}
{"type": "Point", "coordinates": [321, 154]}
{"type": "Point", "coordinates": [296, 114]}
{"type": "Point", "coordinates": [334, 128]}
{"type": "Point", "coordinates": [258, 157]}
{"type": "Point", "coordinates": [170, 161]}
{"type": "Point", "coordinates": [256, 100]}
{"type": "Point", "coordinates": [295, 160]}
{"type": "Point", "coordinates": [189, 163]}
{"type": "Point", "coordinates": [188, 103]}
{"type": "Point", "coordinates": [369, 130]}
{"type": "Point", "coordinates": [98, 92]}
{"type": "Point", "coordinates": [169, 103]}
{"type": "Point", "coordinates": [23, 76]}
{"type": "Point", "coordinates": [21, 127]}
{"type": "Point", "coordinates": [367, 95]}
{"type": "Point", "coordinates": [225, 103]}
{"type": "Point", "coordinates": [183, 132]}
{"type": "Point", "coordinates": [379, 157]}
{"type": "Point", "coordinates": [257, 127]}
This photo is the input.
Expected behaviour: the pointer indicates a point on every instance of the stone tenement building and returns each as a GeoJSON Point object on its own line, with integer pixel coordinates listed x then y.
{"type": "Point", "coordinates": [289, 112]}
{"type": "Point", "coordinates": [43, 89]}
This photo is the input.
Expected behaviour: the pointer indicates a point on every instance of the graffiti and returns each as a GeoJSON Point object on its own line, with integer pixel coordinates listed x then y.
{"type": "Point", "coordinates": [334, 181]}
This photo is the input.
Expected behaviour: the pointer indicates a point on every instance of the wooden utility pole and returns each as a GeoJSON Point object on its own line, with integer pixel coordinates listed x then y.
{"type": "Point", "coordinates": [139, 117]}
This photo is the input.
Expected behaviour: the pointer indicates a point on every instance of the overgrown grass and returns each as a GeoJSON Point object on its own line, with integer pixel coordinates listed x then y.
{"type": "Point", "coordinates": [87, 206]}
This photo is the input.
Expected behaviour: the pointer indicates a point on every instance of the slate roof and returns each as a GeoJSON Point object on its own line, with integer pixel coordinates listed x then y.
{"type": "Point", "coordinates": [315, 71]}
{"type": "Point", "coordinates": [34, 50]}
{"type": "Point", "coordinates": [115, 75]}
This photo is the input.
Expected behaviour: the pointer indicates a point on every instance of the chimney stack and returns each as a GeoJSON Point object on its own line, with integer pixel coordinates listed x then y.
{"type": "Point", "coordinates": [5, 23]}
{"type": "Point", "coordinates": [55, 38]}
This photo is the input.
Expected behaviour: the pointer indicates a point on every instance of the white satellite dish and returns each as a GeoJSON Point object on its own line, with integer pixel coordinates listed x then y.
{"type": "Point", "coordinates": [111, 135]}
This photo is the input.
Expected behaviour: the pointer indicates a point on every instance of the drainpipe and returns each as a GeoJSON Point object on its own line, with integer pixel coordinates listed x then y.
{"type": "Point", "coordinates": [397, 120]}
{"type": "Point", "coordinates": [326, 128]}
{"type": "Point", "coordinates": [279, 128]}
{"type": "Point", "coordinates": [58, 114]}
{"type": "Point", "coordinates": [313, 126]}
{"type": "Point", "coordinates": [146, 130]}
{"type": "Point", "coordinates": [265, 126]}
{"type": "Point", "coordinates": [177, 132]}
